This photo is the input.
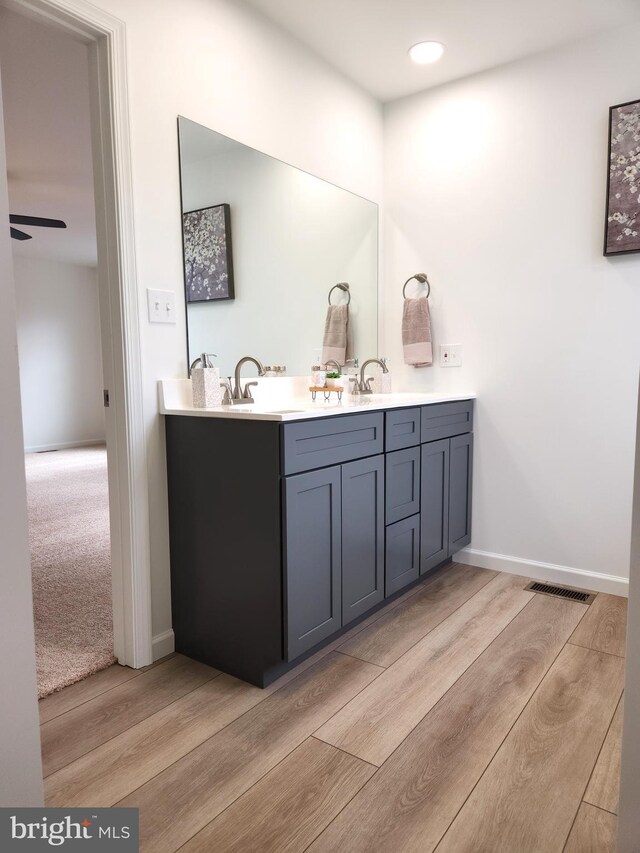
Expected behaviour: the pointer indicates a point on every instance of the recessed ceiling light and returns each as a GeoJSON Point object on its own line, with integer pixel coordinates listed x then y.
{"type": "Point", "coordinates": [426, 51]}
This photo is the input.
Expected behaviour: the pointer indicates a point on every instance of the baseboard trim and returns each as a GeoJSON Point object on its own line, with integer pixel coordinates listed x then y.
{"type": "Point", "coordinates": [64, 445]}
{"type": "Point", "coordinates": [163, 644]}
{"type": "Point", "coordinates": [544, 571]}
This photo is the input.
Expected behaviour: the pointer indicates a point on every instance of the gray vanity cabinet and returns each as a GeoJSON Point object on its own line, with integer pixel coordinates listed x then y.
{"type": "Point", "coordinates": [284, 534]}
{"type": "Point", "coordinates": [362, 536]}
{"type": "Point", "coordinates": [312, 558]}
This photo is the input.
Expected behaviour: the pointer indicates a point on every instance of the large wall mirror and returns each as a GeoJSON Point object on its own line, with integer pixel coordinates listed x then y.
{"type": "Point", "coordinates": [264, 245]}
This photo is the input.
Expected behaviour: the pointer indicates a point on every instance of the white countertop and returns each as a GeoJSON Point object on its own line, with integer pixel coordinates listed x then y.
{"type": "Point", "coordinates": [285, 401]}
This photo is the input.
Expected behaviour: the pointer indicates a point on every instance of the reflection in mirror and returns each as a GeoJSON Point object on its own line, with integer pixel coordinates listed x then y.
{"type": "Point", "coordinates": [264, 245]}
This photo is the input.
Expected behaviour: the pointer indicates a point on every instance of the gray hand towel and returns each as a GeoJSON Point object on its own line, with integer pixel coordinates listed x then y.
{"type": "Point", "coordinates": [416, 332]}
{"type": "Point", "coordinates": [337, 344]}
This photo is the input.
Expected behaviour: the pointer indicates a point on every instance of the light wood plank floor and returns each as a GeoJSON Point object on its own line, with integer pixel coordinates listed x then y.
{"type": "Point", "coordinates": [469, 715]}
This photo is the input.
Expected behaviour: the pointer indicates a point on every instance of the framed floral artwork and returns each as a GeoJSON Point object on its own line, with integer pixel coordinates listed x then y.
{"type": "Point", "coordinates": [622, 223]}
{"type": "Point", "coordinates": [208, 259]}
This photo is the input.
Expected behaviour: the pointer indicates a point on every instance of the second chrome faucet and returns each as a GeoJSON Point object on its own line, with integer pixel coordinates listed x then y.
{"type": "Point", "coordinates": [363, 386]}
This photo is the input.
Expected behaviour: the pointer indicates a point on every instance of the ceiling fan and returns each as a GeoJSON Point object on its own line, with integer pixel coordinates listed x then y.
{"type": "Point", "coordinates": [33, 221]}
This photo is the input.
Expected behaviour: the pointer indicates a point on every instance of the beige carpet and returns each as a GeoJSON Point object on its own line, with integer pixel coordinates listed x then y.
{"type": "Point", "coordinates": [71, 564]}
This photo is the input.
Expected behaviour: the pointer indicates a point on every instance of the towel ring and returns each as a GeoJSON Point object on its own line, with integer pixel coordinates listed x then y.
{"type": "Point", "coordinates": [422, 278]}
{"type": "Point", "coordinates": [341, 286]}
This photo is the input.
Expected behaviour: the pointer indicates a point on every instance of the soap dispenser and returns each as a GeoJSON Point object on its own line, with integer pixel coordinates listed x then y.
{"type": "Point", "coordinates": [383, 381]}
{"type": "Point", "coordinates": [205, 382]}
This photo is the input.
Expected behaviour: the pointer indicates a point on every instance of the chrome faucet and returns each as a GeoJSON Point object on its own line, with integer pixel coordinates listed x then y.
{"type": "Point", "coordinates": [337, 365]}
{"type": "Point", "coordinates": [240, 394]}
{"type": "Point", "coordinates": [364, 385]}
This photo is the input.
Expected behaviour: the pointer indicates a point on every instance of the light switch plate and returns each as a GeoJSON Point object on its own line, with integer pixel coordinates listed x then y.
{"type": "Point", "coordinates": [450, 355]}
{"type": "Point", "coordinates": [162, 306]}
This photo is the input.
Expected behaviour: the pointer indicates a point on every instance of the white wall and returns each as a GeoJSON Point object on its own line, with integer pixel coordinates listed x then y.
{"type": "Point", "coordinates": [294, 237]}
{"type": "Point", "coordinates": [59, 352]}
{"type": "Point", "coordinates": [20, 763]}
{"type": "Point", "coordinates": [495, 186]}
{"type": "Point", "coordinates": [220, 64]}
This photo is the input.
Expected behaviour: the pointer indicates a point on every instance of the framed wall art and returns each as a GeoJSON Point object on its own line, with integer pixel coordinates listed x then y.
{"type": "Point", "coordinates": [208, 258]}
{"type": "Point", "coordinates": [622, 221]}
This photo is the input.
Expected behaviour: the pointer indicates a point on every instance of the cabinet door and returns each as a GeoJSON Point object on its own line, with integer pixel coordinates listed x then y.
{"type": "Point", "coordinates": [312, 515]}
{"type": "Point", "coordinates": [362, 536]}
{"type": "Point", "coordinates": [403, 554]}
{"type": "Point", "coordinates": [402, 484]}
{"type": "Point", "coordinates": [460, 475]}
{"type": "Point", "coordinates": [434, 504]}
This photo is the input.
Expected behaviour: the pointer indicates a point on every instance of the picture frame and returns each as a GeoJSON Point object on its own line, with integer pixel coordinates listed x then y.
{"type": "Point", "coordinates": [208, 254]}
{"type": "Point", "coordinates": [622, 213]}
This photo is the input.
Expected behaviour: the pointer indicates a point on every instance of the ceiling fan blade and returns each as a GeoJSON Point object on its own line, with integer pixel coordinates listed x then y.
{"type": "Point", "coordinates": [36, 220]}
{"type": "Point", "coordinates": [19, 235]}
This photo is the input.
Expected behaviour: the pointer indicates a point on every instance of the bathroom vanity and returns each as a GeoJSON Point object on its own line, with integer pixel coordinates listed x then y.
{"type": "Point", "coordinates": [288, 525]}
{"type": "Point", "coordinates": [290, 520]}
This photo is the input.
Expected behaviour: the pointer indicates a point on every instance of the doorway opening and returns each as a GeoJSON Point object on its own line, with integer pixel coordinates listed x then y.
{"type": "Point", "coordinates": [77, 322]}
{"type": "Point", "coordinates": [47, 120]}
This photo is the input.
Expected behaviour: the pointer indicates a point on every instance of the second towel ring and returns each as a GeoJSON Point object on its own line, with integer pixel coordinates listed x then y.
{"type": "Point", "coordinates": [422, 278]}
{"type": "Point", "coordinates": [342, 285]}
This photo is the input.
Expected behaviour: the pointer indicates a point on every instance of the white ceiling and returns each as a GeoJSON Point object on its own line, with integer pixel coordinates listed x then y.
{"type": "Point", "coordinates": [367, 40]}
{"type": "Point", "coordinates": [45, 90]}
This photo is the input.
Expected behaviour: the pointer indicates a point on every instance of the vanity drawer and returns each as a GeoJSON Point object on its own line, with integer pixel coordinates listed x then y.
{"type": "Point", "coordinates": [402, 483]}
{"type": "Point", "coordinates": [443, 420]}
{"type": "Point", "coordinates": [402, 563]}
{"type": "Point", "coordinates": [329, 441]}
{"type": "Point", "coordinates": [402, 429]}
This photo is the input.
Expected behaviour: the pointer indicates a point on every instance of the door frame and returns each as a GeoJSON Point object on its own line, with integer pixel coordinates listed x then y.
{"type": "Point", "coordinates": [105, 37]}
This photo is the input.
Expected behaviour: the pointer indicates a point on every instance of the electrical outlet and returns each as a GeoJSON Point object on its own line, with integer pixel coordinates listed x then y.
{"type": "Point", "coordinates": [450, 355]}
{"type": "Point", "coordinates": [162, 306]}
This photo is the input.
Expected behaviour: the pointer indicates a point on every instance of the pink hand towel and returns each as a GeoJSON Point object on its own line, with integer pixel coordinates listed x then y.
{"type": "Point", "coordinates": [337, 343]}
{"type": "Point", "coordinates": [416, 332]}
